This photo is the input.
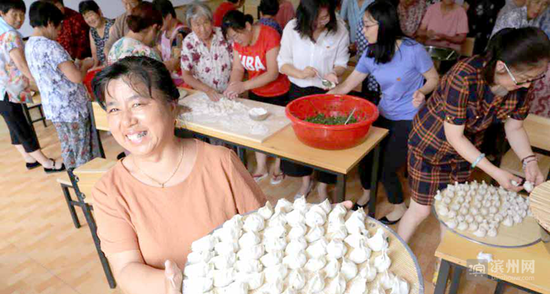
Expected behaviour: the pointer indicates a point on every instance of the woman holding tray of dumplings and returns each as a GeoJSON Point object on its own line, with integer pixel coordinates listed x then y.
{"type": "Point", "coordinates": [477, 92]}
{"type": "Point", "coordinates": [168, 192]}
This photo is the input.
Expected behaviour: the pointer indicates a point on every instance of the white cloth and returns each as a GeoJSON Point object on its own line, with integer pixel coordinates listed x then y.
{"type": "Point", "coordinates": [330, 51]}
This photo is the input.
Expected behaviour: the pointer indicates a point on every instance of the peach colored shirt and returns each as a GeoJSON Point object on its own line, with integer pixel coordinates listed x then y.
{"type": "Point", "coordinates": [452, 24]}
{"type": "Point", "coordinates": [163, 222]}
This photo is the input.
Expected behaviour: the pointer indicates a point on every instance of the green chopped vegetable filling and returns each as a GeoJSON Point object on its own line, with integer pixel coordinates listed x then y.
{"type": "Point", "coordinates": [330, 120]}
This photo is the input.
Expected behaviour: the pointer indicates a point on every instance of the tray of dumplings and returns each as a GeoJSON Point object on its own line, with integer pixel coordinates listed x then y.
{"type": "Point", "coordinates": [302, 248]}
{"type": "Point", "coordinates": [486, 214]}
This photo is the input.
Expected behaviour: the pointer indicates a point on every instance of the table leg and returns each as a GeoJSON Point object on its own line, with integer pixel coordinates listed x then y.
{"type": "Point", "coordinates": [374, 182]}
{"type": "Point", "coordinates": [455, 280]}
{"type": "Point", "coordinates": [500, 287]}
{"type": "Point", "coordinates": [441, 285]}
{"type": "Point", "coordinates": [340, 188]}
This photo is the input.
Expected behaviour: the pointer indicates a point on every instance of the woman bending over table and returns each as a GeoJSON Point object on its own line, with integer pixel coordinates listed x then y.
{"type": "Point", "coordinates": [255, 50]}
{"type": "Point", "coordinates": [477, 92]}
{"type": "Point", "coordinates": [314, 45]}
{"type": "Point", "coordinates": [168, 192]}
{"type": "Point", "coordinates": [59, 79]}
{"type": "Point", "coordinates": [206, 56]}
{"type": "Point", "coordinates": [401, 66]}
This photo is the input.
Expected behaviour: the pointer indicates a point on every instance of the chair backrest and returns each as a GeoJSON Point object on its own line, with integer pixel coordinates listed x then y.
{"type": "Point", "coordinates": [467, 48]}
{"type": "Point", "coordinates": [100, 117]}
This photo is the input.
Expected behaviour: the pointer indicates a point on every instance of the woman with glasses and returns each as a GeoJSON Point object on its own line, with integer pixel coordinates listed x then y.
{"type": "Point", "coordinates": [406, 75]}
{"type": "Point", "coordinates": [477, 92]}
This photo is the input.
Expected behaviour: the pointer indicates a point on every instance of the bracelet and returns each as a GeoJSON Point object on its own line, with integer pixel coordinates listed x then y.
{"type": "Point", "coordinates": [527, 157]}
{"type": "Point", "coordinates": [478, 159]}
{"type": "Point", "coordinates": [524, 164]}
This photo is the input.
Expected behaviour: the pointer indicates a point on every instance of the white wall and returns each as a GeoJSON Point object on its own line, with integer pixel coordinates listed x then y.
{"type": "Point", "coordinates": [110, 8]}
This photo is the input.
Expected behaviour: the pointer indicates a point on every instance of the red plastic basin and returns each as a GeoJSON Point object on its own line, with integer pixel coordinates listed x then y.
{"type": "Point", "coordinates": [88, 81]}
{"type": "Point", "coordinates": [328, 136]}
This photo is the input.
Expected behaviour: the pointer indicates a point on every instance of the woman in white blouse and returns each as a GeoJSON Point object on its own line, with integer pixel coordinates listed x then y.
{"type": "Point", "coordinates": [314, 45]}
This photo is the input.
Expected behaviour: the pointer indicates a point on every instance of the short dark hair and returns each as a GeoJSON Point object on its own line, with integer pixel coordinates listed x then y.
{"type": "Point", "coordinates": [389, 31]}
{"type": "Point", "coordinates": [143, 16]}
{"type": "Point", "coordinates": [165, 7]}
{"type": "Point", "coordinates": [7, 5]}
{"type": "Point", "coordinates": [137, 70]}
{"type": "Point", "coordinates": [87, 6]}
{"type": "Point", "coordinates": [306, 15]}
{"type": "Point", "coordinates": [233, 1]}
{"type": "Point", "coordinates": [269, 7]}
{"type": "Point", "coordinates": [54, 2]}
{"type": "Point", "coordinates": [520, 49]}
{"type": "Point", "coordinates": [236, 21]}
{"type": "Point", "coordinates": [42, 13]}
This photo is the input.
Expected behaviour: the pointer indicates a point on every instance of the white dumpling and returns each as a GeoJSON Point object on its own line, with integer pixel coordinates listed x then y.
{"type": "Point", "coordinates": [474, 211]}
{"type": "Point", "coordinates": [447, 200]}
{"type": "Point", "coordinates": [223, 248]}
{"type": "Point", "coordinates": [277, 219]}
{"type": "Point", "coordinates": [528, 186]}
{"type": "Point", "coordinates": [315, 264]}
{"type": "Point", "coordinates": [266, 211]}
{"type": "Point", "coordinates": [228, 234]}
{"type": "Point", "coordinates": [354, 240]}
{"type": "Point", "coordinates": [357, 286]}
{"type": "Point", "coordinates": [297, 232]}
{"type": "Point", "coordinates": [197, 270]}
{"type": "Point", "coordinates": [508, 221]}
{"type": "Point", "coordinates": [355, 224]}
{"type": "Point", "coordinates": [368, 272]}
{"type": "Point", "coordinates": [252, 252]}
{"type": "Point", "coordinates": [443, 210]}
{"type": "Point", "coordinates": [469, 218]}
{"type": "Point", "coordinates": [464, 211]}
{"type": "Point", "coordinates": [199, 256]}
{"type": "Point", "coordinates": [295, 261]}
{"type": "Point", "coordinates": [332, 268]}
{"type": "Point", "coordinates": [377, 289]}
{"type": "Point", "coordinates": [360, 253]}
{"type": "Point", "coordinates": [438, 196]}
{"type": "Point", "coordinates": [300, 204]}
{"type": "Point", "coordinates": [248, 266]}
{"type": "Point", "coordinates": [283, 205]}
{"type": "Point", "coordinates": [493, 210]}
{"type": "Point", "coordinates": [224, 261]}
{"type": "Point", "coordinates": [348, 269]}
{"type": "Point", "coordinates": [316, 284]}
{"type": "Point", "coordinates": [517, 219]}
{"type": "Point", "coordinates": [205, 243]}
{"type": "Point", "coordinates": [480, 232]}
{"type": "Point", "coordinates": [400, 286]}
{"type": "Point", "coordinates": [274, 244]}
{"type": "Point", "coordinates": [451, 224]}
{"type": "Point", "coordinates": [455, 207]}
{"type": "Point", "coordinates": [378, 242]}
{"type": "Point", "coordinates": [254, 223]}
{"type": "Point", "coordinates": [459, 200]}
{"type": "Point", "coordinates": [336, 249]}
{"type": "Point", "coordinates": [295, 218]}
{"type": "Point", "coordinates": [223, 277]}
{"type": "Point", "coordinates": [462, 226]}
{"type": "Point", "coordinates": [451, 214]}
{"type": "Point", "coordinates": [484, 210]}
{"type": "Point", "coordinates": [315, 217]}
{"type": "Point", "coordinates": [337, 232]}
{"type": "Point", "coordinates": [317, 248]}
{"type": "Point", "coordinates": [479, 218]}
{"type": "Point", "coordinates": [296, 279]}
{"type": "Point", "coordinates": [473, 226]}
{"type": "Point", "coordinates": [315, 233]}
{"type": "Point", "coordinates": [492, 232]}
{"type": "Point", "coordinates": [237, 287]}
{"type": "Point", "coordinates": [249, 239]}
{"type": "Point", "coordinates": [198, 285]}
{"type": "Point", "coordinates": [460, 218]}
{"type": "Point", "coordinates": [272, 258]}
{"type": "Point", "coordinates": [275, 232]}
{"type": "Point", "coordinates": [326, 206]}
{"type": "Point", "coordinates": [272, 288]}
{"type": "Point", "coordinates": [386, 280]}
{"type": "Point", "coordinates": [382, 262]}
{"type": "Point", "coordinates": [339, 210]}
{"type": "Point", "coordinates": [337, 285]}
{"type": "Point", "coordinates": [276, 273]}
{"type": "Point", "coordinates": [255, 280]}
{"type": "Point", "coordinates": [296, 246]}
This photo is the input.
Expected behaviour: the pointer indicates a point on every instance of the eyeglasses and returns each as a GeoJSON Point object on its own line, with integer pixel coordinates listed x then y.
{"type": "Point", "coordinates": [522, 83]}
{"type": "Point", "coordinates": [366, 26]}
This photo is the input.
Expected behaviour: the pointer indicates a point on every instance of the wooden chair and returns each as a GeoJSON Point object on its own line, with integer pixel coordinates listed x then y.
{"type": "Point", "coordinates": [82, 180]}
{"type": "Point", "coordinates": [467, 48]}
{"type": "Point", "coordinates": [538, 131]}
{"type": "Point", "coordinates": [99, 123]}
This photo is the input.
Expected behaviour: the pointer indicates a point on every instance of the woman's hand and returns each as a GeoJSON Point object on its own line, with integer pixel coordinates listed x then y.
{"type": "Point", "coordinates": [308, 73]}
{"type": "Point", "coordinates": [533, 173]}
{"type": "Point", "coordinates": [234, 90]}
{"type": "Point", "coordinates": [331, 77]}
{"type": "Point", "coordinates": [173, 278]}
{"type": "Point", "coordinates": [213, 95]}
{"type": "Point", "coordinates": [418, 98]}
{"type": "Point", "coordinates": [505, 179]}
{"type": "Point", "coordinates": [431, 34]}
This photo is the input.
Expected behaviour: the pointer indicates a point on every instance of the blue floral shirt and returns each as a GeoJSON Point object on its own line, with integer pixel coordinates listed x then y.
{"type": "Point", "coordinates": [62, 100]}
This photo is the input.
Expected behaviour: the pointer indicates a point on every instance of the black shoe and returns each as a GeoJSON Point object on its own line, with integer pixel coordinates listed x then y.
{"type": "Point", "coordinates": [387, 222]}
{"type": "Point", "coordinates": [357, 206]}
{"type": "Point", "coordinates": [53, 169]}
{"type": "Point", "coordinates": [121, 156]}
{"type": "Point", "coordinates": [32, 165]}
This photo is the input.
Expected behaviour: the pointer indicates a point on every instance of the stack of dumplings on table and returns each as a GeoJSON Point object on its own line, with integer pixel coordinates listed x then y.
{"type": "Point", "coordinates": [293, 248]}
{"type": "Point", "coordinates": [480, 208]}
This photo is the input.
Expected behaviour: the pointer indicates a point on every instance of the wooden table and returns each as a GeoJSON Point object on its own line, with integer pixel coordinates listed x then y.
{"type": "Point", "coordinates": [286, 145]}
{"type": "Point", "coordinates": [456, 252]}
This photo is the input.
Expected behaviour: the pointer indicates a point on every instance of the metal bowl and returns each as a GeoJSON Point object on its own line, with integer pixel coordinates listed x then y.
{"type": "Point", "coordinates": [258, 116]}
{"type": "Point", "coordinates": [442, 54]}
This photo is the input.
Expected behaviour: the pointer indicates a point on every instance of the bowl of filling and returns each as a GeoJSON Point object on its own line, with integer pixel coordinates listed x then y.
{"type": "Point", "coordinates": [331, 122]}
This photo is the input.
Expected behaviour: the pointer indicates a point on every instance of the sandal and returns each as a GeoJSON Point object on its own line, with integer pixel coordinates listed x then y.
{"type": "Point", "coordinates": [276, 179]}
{"type": "Point", "coordinates": [31, 165]}
{"type": "Point", "coordinates": [53, 169]}
{"type": "Point", "coordinates": [258, 178]}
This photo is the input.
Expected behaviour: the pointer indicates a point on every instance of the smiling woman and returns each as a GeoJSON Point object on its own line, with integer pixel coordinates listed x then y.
{"type": "Point", "coordinates": [168, 192]}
